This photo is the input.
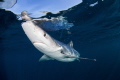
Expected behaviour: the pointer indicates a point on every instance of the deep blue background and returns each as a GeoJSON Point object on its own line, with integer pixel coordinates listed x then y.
{"type": "Point", "coordinates": [96, 34]}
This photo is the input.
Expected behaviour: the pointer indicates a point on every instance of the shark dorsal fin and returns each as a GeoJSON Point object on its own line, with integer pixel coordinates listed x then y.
{"type": "Point", "coordinates": [45, 57]}
{"type": "Point", "coordinates": [71, 44]}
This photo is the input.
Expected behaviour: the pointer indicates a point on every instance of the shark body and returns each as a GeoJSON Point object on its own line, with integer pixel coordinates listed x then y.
{"type": "Point", "coordinates": [51, 48]}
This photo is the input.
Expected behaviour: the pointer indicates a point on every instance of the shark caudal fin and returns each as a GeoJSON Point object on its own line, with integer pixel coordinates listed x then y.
{"type": "Point", "coordinates": [87, 58]}
{"type": "Point", "coordinates": [45, 57]}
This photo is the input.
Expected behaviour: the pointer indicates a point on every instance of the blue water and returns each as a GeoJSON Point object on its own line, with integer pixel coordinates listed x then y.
{"type": "Point", "coordinates": [95, 34]}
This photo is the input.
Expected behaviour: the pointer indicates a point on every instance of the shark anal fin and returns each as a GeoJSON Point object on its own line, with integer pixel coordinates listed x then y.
{"type": "Point", "coordinates": [45, 57]}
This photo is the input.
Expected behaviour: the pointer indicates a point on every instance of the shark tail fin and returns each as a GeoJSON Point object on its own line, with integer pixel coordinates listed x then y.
{"type": "Point", "coordinates": [87, 58]}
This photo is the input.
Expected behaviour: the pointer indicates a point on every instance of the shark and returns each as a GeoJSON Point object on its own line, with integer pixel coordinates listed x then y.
{"type": "Point", "coordinates": [35, 29]}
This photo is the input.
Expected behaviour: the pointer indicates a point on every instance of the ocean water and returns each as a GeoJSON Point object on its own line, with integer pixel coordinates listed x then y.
{"type": "Point", "coordinates": [95, 34]}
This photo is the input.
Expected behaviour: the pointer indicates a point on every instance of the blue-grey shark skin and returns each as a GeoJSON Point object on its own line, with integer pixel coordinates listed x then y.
{"type": "Point", "coordinates": [51, 48]}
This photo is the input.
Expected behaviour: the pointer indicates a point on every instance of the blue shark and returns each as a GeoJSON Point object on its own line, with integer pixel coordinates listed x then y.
{"type": "Point", "coordinates": [35, 29]}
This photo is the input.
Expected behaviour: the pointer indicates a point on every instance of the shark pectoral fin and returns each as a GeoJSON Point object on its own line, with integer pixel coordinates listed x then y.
{"type": "Point", "coordinates": [45, 57]}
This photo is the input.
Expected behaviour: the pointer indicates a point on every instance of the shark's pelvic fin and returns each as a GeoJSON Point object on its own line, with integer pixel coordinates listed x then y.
{"type": "Point", "coordinates": [45, 57]}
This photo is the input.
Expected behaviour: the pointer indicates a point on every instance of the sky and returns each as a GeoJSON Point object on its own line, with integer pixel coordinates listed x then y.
{"type": "Point", "coordinates": [35, 6]}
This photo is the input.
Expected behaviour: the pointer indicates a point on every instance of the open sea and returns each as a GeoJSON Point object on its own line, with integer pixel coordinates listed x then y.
{"type": "Point", "coordinates": [95, 34]}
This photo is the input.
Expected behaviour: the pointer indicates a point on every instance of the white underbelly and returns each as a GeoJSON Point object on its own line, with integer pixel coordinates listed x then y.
{"type": "Point", "coordinates": [36, 34]}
